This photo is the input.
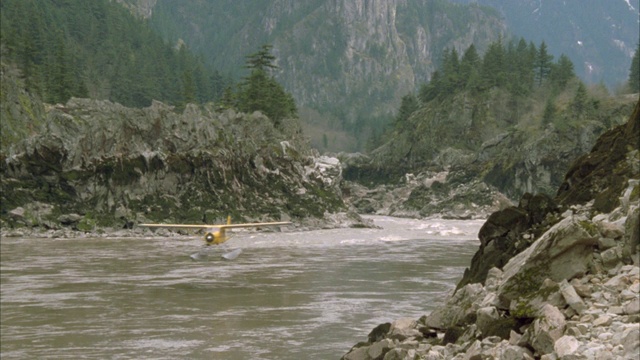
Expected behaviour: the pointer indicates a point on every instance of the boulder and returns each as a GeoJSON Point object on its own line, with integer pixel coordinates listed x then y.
{"type": "Point", "coordinates": [506, 233]}
{"type": "Point", "coordinates": [378, 349]}
{"type": "Point", "coordinates": [499, 238]}
{"type": "Point", "coordinates": [360, 353]}
{"type": "Point", "coordinates": [491, 323]}
{"type": "Point", "coordinates": [547, 329]}
{"type": "Point", "coordinates": [502, 223]}
{"type": "Point", "coordinates": [606, 243]}
{"type": "Point", "coordinates": [611, 257]}
{"type": "Point", "coordinates": [631, 341]}
{"type": "Point", "coordinates": [494, 278]}
{"type": "Point", "coordinates": [505, 351]}
{"type": "Point", "coordinates": [566, 345]}
{"type": "Point", "coordinates": [602, 320]}
{"type": "Point", "coordinates": [485, 317]}
{"type": "Point", "coordinates": [402, 329]}
{"type": "Point", "coordinates": [325, 168]}
{"type": "Point", "coordinates": [571, 297]}
{"type": "Point", "coordinates": [69, 219]}
{"type": "Point", "coordinates": [563, 252]}
{"type": "Point", "coordinates": [632, 307]}
{"type": "Point", "coordinates": [609, 229]}
{"type": "Point", "coordinates": [396, 354]}
{"type": "Point", "coordinates": [464, 303]}
{"type": "Point", "coordinates": [379, 332]}
{"type": "Point", "coordinates": [631, 238]}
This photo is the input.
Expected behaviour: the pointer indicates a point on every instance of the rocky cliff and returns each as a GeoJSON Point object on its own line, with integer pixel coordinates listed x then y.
{"type": "Point", "coordinates": [481, 151]}
{"type": "Point", "coordinates": [91, 163]}
{"type": "Point", "coordinates": [374, 52]}
{"type": "Point", "coordinates": [599, 178]}
{"type": "Point", "coordinates": [554, 278]}
{"type": "Point", "coordinates": [350, 61]}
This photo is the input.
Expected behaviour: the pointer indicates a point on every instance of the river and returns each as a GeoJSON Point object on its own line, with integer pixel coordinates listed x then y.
{"type": "Point", "coordinates": [289, 295]}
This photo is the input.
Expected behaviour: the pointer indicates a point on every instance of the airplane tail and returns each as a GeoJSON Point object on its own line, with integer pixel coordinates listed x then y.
{"type": "Point", "coordinates": [229, 220]}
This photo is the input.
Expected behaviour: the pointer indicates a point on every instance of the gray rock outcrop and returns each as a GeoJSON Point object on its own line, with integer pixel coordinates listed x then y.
{"type": "Point", "coordinates": [116, 166]}
{"type": "Point", "coordinates": [427, 194]}
{"type": "Point", "coordinates": [568, 285]}
{"type": "Point", "coordinates": [582, 315]}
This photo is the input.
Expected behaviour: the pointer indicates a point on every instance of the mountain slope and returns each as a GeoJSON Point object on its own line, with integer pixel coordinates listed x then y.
{"type": "Point", "coordinates": [97, 49]}
{"type": "Point", "coordinates": [600, 37]}
{"type": "Point", "coordinates": [351, 61]}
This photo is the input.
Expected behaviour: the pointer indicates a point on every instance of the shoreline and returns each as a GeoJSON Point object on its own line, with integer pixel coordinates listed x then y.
{"type": "Point", "coordinates": [574, 293]}
{"type": "Point", "coordinates": [334, 221]}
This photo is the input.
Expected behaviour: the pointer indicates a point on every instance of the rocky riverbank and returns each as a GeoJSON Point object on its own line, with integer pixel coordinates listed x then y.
{"type": "Point", "coordinates": [553, 278]}
{"type": "Point", "coordinates": [571, 295]}
{"type": "Point", "coordinates": [70, 230]}
{"type": "Point", "coordinates": [444, 194]}
{"type": "Point", "coordinates": [92, 166]}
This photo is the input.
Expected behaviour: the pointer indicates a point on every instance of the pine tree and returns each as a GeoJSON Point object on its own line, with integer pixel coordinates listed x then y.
{"type": "Point", "coordinates": [450, 71]}
{"type": "Point", "coordinates": [580, 102]}
{"type": "Point", "coordinates": [543, 63]}
{"type": "Point", "coordinates": [522, 80]}
{"type": "Point", "coordinates": [469, 68]}
{"type": "Point", "coordinates": [229, 98]}
{"type": "Point", "coordinates": [493, 66]}
{"type": "Point", "coordinates": [561, 72]}
{"type": "Point", "coordinates": [261, 92]}
{"type": "Point", "coordinates": [188, 88]}
{"type": "Point", "coordinates": [261, 60]}
{"type": "Point", "coordinates": [430, 90]}
{"type": "Point", "coordinates": [634, 72]}
{"type": "Point", "coordinates": [549, 112]}
{"type": "Point", "coordinates": [408, 105]}
{"type": "Point", "coordinates": [60, 82]}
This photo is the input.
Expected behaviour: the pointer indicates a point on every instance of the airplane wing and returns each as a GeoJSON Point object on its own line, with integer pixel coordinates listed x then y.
{"type": "Point", "coordinates": [219, 226]}
{"type": "Point", "coordinates": [179, 226]}
{"type": "Point", "coordinates": [231, 226]}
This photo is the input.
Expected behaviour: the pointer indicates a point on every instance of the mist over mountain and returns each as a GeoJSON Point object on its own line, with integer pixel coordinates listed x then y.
{"type": "Point", "coordinates": [600, 37]}
{"type": "Point", "coordinates": [347, 63]}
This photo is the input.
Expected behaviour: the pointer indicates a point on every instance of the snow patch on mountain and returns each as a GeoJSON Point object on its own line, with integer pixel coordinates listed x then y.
{"type": "Point", "coordinates": [629, 5]}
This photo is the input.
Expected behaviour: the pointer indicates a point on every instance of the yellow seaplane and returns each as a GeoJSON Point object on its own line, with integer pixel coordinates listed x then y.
{"type": "Point", "coordinates": [216, 234]}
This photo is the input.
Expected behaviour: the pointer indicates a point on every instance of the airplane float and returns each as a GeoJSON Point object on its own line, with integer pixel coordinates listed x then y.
{"type": "Point", "coordinates": [216, 234]}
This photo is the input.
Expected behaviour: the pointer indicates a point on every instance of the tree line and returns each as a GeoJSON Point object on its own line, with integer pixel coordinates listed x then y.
{"type": "Point", "coordinates": [517, 67]}
{"type": "Point", "coordinates": [518, 73]}
{"type": "Point", "coordinates": [98, 49]}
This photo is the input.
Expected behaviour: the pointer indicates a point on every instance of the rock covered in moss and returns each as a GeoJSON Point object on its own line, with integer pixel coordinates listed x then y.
{"type": "Point", "coordinates": [593, 314]}
{"type": "Point", "coordinates": [428, 194]}
{"type": "Point", "coordinates": [569, 285]}
{"type": "Point", "coordinates": [116, 166]}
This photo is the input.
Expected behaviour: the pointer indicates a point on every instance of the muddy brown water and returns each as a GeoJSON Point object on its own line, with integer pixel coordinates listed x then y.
{"type": "Point", "coordinates": [289, 295]}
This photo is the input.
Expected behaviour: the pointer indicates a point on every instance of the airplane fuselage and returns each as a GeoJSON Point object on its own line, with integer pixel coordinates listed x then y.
{"type": "Point", "coordinates": [215, 236]}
